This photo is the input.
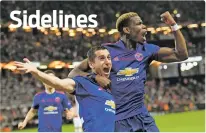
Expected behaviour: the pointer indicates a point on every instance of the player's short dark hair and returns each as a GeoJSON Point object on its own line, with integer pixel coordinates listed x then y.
{"type": "Point", "coordinates": [49, 71]}
{"type": "Point", "coordinates": [91, 53]}
{"type": "Point", "coordinates": [123, 20]}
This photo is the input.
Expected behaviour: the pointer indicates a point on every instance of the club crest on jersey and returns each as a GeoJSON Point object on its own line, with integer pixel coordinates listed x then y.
{"type": "Point", "coordinates": [128, 71]}
{"type": "Point", "coordinates": [43, 101]}
{"type": "Point", "coordinates": [139, 56]}
{"type": "Point", "coordinates": [110, 103]}
{"type": "Point", "coordinates": [100, 88]}
{"type": "Point", "coordinates": [57, 99]}
{"type": "Point", "coordinates": [116, 59]}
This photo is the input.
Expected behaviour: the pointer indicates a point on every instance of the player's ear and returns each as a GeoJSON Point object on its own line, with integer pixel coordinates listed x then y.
{"type": "Point", "coordinates": [91, 64]}
{"type": "Point", "coordinates": [126, 30]}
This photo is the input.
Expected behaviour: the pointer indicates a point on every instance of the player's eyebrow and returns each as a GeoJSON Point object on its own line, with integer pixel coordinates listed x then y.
{"type": "Point", "coordinates": [100, 56]}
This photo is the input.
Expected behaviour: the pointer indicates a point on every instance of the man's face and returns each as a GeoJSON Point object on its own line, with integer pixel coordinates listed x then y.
{"type": "Point", "coordinates": [47, 86]}
{"type": "Point", "coordinates": [137, 30]}
{"type": "Point", "coordinates": [102, 63]}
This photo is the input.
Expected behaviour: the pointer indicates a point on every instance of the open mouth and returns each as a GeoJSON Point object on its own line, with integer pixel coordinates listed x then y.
{"type": "Point", "coordinates": [106, 70]}
{"type": "Point", "coordinates": [144, 35]}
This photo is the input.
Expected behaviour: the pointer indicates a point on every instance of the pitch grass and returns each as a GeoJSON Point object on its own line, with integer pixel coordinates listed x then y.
{"type": "Point", "coordinates": [178, 122]}
{"type": "Point", "coordinates": [65, 128]}
{"type": "Point", "coordinates": [182, 122]}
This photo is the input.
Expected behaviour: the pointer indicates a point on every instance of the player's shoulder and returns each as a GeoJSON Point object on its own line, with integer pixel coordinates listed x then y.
{"type": "Point", "coordinates": [79, 78]}
{"type": "Point", "coordinates": [39, 93]}
{"type": "Point", "coordinates": [60, 92]}
{"type": "Point", "coordinates": [106, 44]}
{"type": "Point", "coordinates": [82, 79]}
{"type": "Point", "coordinates": [150, 46]}
{"type": "Point", "coordinates": [110, 43]}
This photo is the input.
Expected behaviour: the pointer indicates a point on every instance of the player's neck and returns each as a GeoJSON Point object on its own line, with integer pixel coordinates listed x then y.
{"type": "Point", "coordinates": [50, 90]}
{"type": "Point", "coordinates": [128, 43]}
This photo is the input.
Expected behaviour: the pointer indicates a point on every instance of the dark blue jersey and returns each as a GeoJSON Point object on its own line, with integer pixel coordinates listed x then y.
{"type": "Point", "coordinates": [50, 109]}
{"type": "Point", "coordinates": [128, 76]}
{"type": "Point", "coordinates": [96, 106]}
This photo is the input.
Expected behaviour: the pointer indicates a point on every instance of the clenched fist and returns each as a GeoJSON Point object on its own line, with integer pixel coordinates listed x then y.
{"type": "Point", "coordinates": [103, 81]}
{"type": "Point", "coordinates": [70, 114]}
{"type": "Point", "coordinates": [168, 19]}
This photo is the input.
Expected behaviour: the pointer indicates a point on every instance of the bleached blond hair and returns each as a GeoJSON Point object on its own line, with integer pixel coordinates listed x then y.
{"type": "Point", "coordinates": [123, 20]}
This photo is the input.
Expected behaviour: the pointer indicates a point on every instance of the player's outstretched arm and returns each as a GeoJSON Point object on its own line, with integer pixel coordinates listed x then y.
{"type": "Point", "coordinates": [30, 115]}
{"type": "Point", "coordinates": [59, 84]}
{"type": "Point", "coordinates": [180, 52]}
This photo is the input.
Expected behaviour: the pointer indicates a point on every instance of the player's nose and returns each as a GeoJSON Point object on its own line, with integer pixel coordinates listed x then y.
{"type": "Point", "coordinates": [107, 61]}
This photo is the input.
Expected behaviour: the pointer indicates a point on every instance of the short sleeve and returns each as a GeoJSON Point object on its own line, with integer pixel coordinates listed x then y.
{"type": "Point", "coordinates": [80, 84]}
{"type": "Point", "coordinates": [66, 103]}
{"type": "Point", "coordinates": [35, 103]}
{"type": "Point", "coordinates": [153, 50]}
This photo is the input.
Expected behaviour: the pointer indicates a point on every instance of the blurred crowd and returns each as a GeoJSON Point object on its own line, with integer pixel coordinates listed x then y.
{"type": "Point", "coordinates": [44, 48]}
{"type": "Point", "coordinates": [40, 47]}
{"type": "Point", "coordinates": [163, 96]}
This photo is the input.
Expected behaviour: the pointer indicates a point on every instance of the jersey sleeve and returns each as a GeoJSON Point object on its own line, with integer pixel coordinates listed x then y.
{"type": "Point", "coordinates": [35, 103]}
{"type": "Point", "coordinates": [153, 50]}
{"type": "Point", "coordinates": [79, 86]}
{"type": "Point", "coordinates": [66, 103]}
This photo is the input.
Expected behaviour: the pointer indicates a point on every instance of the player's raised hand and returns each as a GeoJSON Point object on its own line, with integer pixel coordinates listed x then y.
{"type": "Point", "coordinates": [103, 81]}
{"type": "Point", "coordinates": [70, 114]}
{"type": "Point", "coordinates": [167, 18]}
{"type": "Point", "coordinates": [21, 125]}
{"type": "Point", "coordinates": [25, 67]}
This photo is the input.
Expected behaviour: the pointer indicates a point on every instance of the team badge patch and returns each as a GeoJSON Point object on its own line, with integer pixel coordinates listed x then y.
{"type": "Point", "coordinates": [138, 56]}
{"type": "Point", "coordinates": [57, 99]}
{"type": "Point", "coordinates": [116, 59]}
{"type": "Point", "coordinates": [100, 89]}
{"type": "Point", "coordinates": [43, 101]}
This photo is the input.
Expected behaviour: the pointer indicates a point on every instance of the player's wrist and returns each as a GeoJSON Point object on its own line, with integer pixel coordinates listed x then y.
{"type": "Point", "coordinates": [174, 27]}
{"type": "Point", "coordinates": [24, 123]}
{"type": "Point", "coordinates": [173, 23]}
{"type": "Point", "coordinates": [35, 71]}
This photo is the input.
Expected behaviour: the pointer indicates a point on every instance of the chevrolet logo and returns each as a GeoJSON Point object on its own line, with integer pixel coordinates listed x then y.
{"type": "Point", "coordinates": [50, 108]}
{"type": "Point", "coordinates": [128, 71]}
{"type": "Point", "coordinates": [110, 103]}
